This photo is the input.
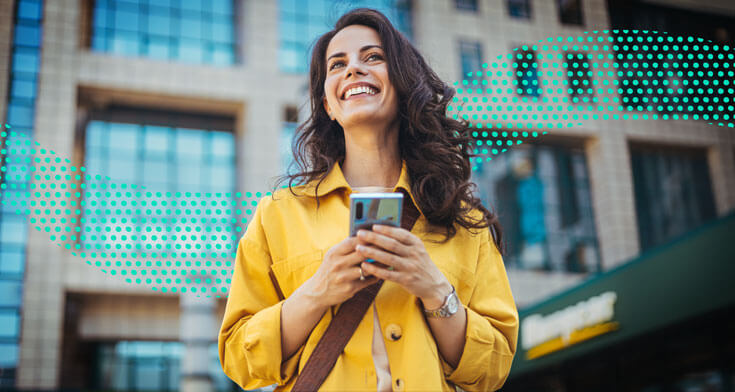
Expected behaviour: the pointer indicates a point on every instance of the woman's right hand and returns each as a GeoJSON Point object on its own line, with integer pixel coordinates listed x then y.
{"type": "Point", "coordinates": [338, 277]}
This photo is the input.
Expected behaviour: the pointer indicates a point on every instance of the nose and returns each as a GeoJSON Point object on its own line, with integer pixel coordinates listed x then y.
{"type": "Point", "coordinates": [354, 67]}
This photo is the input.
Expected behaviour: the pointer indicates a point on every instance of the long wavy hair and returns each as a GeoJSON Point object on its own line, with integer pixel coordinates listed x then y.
{"type": "Point", "coordinates": [436, 148]}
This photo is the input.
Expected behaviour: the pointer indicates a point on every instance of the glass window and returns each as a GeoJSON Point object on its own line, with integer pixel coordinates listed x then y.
{"type": "Point", "coordinates": [542, 197]}
{"type": "Point", "coordinates": [192, 31]}
{"type": "Point", "coordinates": [301, 22]}
{"type": "Point", "coordinates": [579, 76]}
{"type": "Point", "coordinates": [139, 365]}
{"type": "Point", "coordinates": [570, 12]}
{"type": "Point", "coordinates": [673, 192]}
{"type": "Point", "coordinates": [162, 159]}
{"type": "Point", "coordinates": [27, 35]}
{"type": "Point", "coordinates": [526, 73]}
{"type": "Point", "coordinates": [290, 123]}
{"type": "Point", "coordinates": [11, 292]}
{"type": "Point", "coordinates": [24, 64]}
{"type": "Point", "coordinates": [30, 9]}
{"type": "Point", "coordinates": [8, 357]}
{"type": "Point", "coordinates": [9, 323]}
{"type": "Point", "coordinates": [23, 89]}
{"type": "Point", "coordinates": [11, 260]}
{"type": "Point", "coordinates": [519, 9]}
{"type": "Point", "coordinates": [13, 229]}
{"type": "Point", "coordinates": [25, 60]}
{"type": "Point", "coordinates": [470, 54]}
{"type": "Point", "coordinates": [466, 5]}
{"type": "Point", "coordinates": [287, 135]}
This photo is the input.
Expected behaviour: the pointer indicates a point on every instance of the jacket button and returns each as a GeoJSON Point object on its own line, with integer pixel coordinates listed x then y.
{"type": "Point", "coordinates": [393, 332]}
{"type": "Point", "coordinates": [399, 385]}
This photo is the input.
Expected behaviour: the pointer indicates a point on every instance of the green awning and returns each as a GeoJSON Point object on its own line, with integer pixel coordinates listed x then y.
{"type": "Point", "coordinates": [691, 276]}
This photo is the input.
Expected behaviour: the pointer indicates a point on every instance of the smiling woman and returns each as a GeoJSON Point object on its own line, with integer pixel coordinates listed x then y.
{"type": "Point", "coordinates": [442, 311]}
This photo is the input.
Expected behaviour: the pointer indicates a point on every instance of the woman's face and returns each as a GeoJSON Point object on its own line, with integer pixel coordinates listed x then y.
{"type": "Point", "coordinates": [357, 88]}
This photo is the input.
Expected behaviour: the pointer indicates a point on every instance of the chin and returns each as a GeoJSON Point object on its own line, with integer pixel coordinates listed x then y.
{"type": "Point", "coordinates": [363, 116]}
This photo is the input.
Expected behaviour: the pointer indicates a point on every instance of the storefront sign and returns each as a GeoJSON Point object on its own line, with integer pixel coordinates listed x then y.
{"type": "Point", "coordinates": [543, 335]}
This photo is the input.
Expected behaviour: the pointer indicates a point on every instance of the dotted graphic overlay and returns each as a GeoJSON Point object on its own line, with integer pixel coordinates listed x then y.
{"type": "Point", "coordinates": [171, 241]}
{"type": "Point", "coordinates": [560, 82]}
{"type": "Point", "coordinates": [186, 242]}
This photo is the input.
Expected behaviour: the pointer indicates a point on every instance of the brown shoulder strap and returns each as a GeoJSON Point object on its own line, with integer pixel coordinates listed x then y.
{"type": "Point", "coordinates": [345, 322]}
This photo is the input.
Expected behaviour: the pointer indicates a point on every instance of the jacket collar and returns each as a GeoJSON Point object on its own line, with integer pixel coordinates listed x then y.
{"type": "Point", "coordinates": [335, 180]}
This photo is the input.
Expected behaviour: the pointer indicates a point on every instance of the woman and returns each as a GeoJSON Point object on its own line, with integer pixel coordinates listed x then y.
{"type": "Point", "coordinates": [378, 122]}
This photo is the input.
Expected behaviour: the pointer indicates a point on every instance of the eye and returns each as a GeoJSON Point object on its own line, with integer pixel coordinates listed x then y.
{"type": "Point", "coordinates": [377, 56]}
{"type": "Point", "coordinates": [334, 64]}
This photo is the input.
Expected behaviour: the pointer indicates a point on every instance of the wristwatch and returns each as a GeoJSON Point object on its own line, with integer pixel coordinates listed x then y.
{"type": "Point", "coordinates": [450, 306]}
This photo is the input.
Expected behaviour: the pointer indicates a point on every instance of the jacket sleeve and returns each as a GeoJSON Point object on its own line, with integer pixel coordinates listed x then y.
{"type": "Point", "coordinates": [250, 337]}
{"type": "Point", "coordinates": [492, 327]}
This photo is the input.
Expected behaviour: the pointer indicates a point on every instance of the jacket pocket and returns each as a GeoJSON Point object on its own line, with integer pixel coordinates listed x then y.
{"type": "Point", "coordinates": [460, 277]}
{"type": "Point", "coordinates": [292, 272]}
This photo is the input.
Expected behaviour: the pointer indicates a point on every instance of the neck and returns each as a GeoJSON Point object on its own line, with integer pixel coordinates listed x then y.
{"type": "Point", "coordinates": [372, 159]}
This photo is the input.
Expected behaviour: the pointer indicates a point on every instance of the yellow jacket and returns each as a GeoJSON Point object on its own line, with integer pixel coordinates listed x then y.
{"type": "Point", "coordinates": [290, 236]}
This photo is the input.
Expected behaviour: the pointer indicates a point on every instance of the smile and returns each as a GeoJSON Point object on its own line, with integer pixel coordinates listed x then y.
{"type": "Point", "coordinates": [362, 91]}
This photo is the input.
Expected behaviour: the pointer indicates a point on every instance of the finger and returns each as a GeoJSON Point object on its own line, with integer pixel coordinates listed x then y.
{"type": "Point", "coordinates": [381, 273]}
{"type": "Point", "coordinates": [351, 259]}
{"type": "Point", "coordinates": [345, 246]}
{"type": "Point", "coordinates": [382, 241]}
{"type": "Point", "coordinates": [380, 255]}
{"type": "Point", "coordinates": [398, 233]}
{"type": "Point", "coordinates": [364, 273]}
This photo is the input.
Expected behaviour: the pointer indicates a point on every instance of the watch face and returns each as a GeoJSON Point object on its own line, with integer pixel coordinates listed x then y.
{"type": "Point", "coordinates": [453, 304]}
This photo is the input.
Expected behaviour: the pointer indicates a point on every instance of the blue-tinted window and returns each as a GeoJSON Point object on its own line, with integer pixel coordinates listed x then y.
{"type": "Point", "coordinates": [200, 32]}
{"type": "Point", "coordinates": [301, 22]}
{"type": "Point", "coordinates": [9, 323]}
{"type": "Point", "coordinates": [287, 134]}
{"type": "Point", "coordinates": [470, 54]}
{"type": "Point", "coordinates": [162, 159]}
{"type": "Point", "coordinates": [466, 5]}
{"type": "Point", "coordinates": [30, 9]}
{"type": "Point", "coordinates": [673, 192]}
{"type": "Point", "coordinates": [153, 366]}
{"type": "Point", "coordinates": [27, 35]}
{"type": "Point", "coordinates": [519, 9]}
{"type": "Point", "coordinates": [25, 55]}
{"type": "Point", "coordinates": [8, 360]}
{"type": "Point", "coordinates": [11, 259]}
{"type": "Point", "coordinates": [526, 73]}
{"type": "Point", "coordinates": [288, 131]}
{"type": "Point", "coordinates": [542, 197]}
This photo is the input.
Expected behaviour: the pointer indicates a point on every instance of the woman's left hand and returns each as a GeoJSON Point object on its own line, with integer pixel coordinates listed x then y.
{"type": "Point", "coordinates": [411, 265]}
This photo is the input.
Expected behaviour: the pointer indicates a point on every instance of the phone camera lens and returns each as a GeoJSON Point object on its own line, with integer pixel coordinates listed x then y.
{"type": "Point", "coordinates": [358, 210]}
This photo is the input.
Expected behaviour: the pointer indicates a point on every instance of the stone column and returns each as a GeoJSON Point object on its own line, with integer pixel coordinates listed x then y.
{"type": "Point", "coordinates": [198, 330]}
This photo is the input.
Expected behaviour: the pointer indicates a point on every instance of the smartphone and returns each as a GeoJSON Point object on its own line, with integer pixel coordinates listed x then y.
{"type": "Point", "coordinates": [367, 209]}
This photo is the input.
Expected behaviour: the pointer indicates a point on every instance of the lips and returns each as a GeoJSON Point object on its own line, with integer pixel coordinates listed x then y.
{"type": "Point", "coordinates": [358, 84]}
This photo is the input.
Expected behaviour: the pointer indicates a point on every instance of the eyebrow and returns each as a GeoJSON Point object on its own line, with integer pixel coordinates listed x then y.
{"type": "Point", "coordinates": [364, 48]}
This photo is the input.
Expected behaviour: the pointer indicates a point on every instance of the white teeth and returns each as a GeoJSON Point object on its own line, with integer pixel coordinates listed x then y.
{"type": "Point", "coordinates": [358, 90]}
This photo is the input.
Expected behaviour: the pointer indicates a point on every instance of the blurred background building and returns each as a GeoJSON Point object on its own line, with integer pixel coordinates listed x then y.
{"type": "Point", "coordinates": [206, 94]}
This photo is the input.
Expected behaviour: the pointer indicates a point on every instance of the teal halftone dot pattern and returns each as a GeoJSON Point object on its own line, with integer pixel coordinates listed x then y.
{"type": "Point", "coordinates": [185, 242]}
{"type": "Point", "coordinates": [561, 82]}
{"type": "Point", "coordinates": [174, 242]}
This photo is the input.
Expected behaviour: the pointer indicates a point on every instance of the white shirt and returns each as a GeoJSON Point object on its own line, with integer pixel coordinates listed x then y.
{"type": "Point", "coordinates": [380, 355]}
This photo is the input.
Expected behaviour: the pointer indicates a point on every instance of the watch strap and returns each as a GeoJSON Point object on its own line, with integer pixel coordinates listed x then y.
{"type": "Point", "coordinates": [443, 311]}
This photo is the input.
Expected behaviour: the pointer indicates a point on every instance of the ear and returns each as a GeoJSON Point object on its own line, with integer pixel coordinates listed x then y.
{"type": "Point", "coordinates": [326, 107]}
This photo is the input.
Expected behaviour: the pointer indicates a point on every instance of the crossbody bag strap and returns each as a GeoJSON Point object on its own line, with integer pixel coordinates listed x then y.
{"type": "Point", "coordinates": [345, 322]}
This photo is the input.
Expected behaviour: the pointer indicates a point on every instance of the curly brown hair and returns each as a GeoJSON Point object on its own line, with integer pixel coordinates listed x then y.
{"type": "Point", "coordinates": [436, 148]}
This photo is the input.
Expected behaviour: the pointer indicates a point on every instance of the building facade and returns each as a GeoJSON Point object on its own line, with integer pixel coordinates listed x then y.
{"type": "Point", "coordinates": [189, 94]}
